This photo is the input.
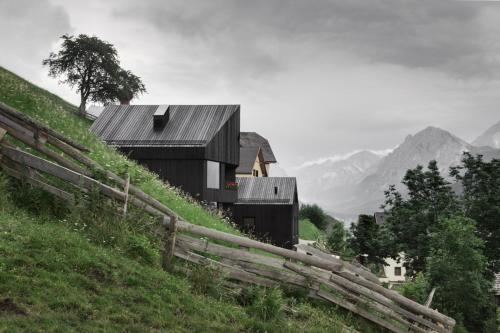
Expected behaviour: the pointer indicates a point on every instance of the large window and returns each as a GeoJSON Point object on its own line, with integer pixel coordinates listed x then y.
{"type": "Point", "coordinates": [213, 175]}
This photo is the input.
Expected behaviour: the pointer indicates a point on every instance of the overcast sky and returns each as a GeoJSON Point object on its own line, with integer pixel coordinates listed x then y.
{"type": "Point", "coordinates": [318, 78]}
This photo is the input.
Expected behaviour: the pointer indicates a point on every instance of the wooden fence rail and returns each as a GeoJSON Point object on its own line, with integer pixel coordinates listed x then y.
{"type": "Point", "coordinates": [322, 275]}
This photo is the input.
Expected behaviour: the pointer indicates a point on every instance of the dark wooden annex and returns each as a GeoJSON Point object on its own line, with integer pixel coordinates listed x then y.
{"type": "Point", "coordinates": [268, 207]}
{"type": "Point", "coordinates": [193, 147]}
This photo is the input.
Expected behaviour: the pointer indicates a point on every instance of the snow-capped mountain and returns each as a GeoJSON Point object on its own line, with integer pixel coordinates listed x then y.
{"type": "Point", "coordinates": [490, 138]}
{"type": "Point", "coordinates": [356, 184]}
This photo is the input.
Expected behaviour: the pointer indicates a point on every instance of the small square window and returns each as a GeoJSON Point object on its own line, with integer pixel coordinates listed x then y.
{"type": "Point", "coordinates": [397, 271]}
{"type": "Point", "coordinates": [249, 223]}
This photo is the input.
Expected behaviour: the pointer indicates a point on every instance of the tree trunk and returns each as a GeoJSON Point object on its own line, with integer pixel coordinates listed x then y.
{"type": "Point", "coordinates": [82, 108]}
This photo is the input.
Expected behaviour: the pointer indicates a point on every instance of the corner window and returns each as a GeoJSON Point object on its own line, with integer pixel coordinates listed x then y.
{"type": "Point", "coordinates": [397, 271]}
{"type": "Point", "coordinates": [213, 175]}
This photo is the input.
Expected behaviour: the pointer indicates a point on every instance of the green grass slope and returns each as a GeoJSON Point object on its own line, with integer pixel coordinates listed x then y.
{"type": "Point", "coordinates": [308, 231]}
{"type": "Point", "coordinates": [53, 279]}
{"type": "Point", "coordinates": [82, 269]}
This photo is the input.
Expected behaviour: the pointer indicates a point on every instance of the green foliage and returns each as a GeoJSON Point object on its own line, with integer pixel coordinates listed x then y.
{"type": "Point", "coordinates": [92, 66]}
{"type": "Point", "coordinates": [457, 267]}
{"type": "Point", "coordinates": [309, 231]}
{"type": "Point", "coordinates": [315, 214]}
{"type": "Point", "coordinates": [416, 289]}
{"type": "Point", "coordinates": [369, 239]}
{"type": "Point", "coordinates": [337, 239]}
{"type": "Point", "coordinates": [481, 201]}
{"type": "Point", "coordinates": [412, 220]}
{"type": "Point", "coordinates": [126, 86]}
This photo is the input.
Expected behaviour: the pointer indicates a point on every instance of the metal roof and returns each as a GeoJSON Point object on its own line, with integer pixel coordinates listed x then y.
{"type": "Point", "coordinates": [252, 139]}
{"type": "Point", "coordinates": [188, 125]}
{"type": "Point", "coordinates": [248, 155]}
{"type": "Point", "coordinates": [260, 190]}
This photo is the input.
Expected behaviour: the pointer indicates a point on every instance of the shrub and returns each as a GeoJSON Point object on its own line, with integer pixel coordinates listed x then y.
{"type": "Point", "coordinates": [416, 289]}
{"type": "Point", "coordinates": [315, 214]}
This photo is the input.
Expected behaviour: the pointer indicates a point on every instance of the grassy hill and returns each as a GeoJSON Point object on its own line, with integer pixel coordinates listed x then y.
{"type": "Point", "coordinates": [80, 269]}
{"type": "Point", "coordinates": [308, 231]}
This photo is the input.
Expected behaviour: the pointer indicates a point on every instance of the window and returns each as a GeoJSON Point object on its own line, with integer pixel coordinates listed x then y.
{"type": "Point", "coordinates": [213, 175]}
{"type": "Point", "coordinates": [397, 271]}
{"type": "Point", "coordinates": [249, 223]}
{"type": "Point", "coordinates": [256, 173]}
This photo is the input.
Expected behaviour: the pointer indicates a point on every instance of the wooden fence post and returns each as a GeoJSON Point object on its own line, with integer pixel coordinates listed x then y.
{"type": "Point", "coordinates": [171, 230]}
{"type": "Point", "coordinates": [127, 185]}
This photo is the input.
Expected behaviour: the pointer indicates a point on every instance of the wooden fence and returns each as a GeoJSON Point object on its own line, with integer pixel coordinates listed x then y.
{"type": "Point", "coordinates": [323, 276]}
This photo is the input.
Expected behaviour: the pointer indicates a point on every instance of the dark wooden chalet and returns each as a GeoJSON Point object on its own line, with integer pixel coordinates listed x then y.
{"type": "Point", "coordinates": [268, 207]}
{"type": "Point", "coordinates": [193, 147]}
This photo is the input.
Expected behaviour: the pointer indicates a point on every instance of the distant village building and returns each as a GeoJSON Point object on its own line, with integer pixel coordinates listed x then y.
{"type": "Point", "coordinates": [255, 140]}
{"type": "Point", "coordinates": [394, 271]}
{"type": "Point", "coordinates": [268, 207]}
{"type": "Point", "coordinates": [251, 163]}
{"type": "Point", "coordinates": [193, 147]}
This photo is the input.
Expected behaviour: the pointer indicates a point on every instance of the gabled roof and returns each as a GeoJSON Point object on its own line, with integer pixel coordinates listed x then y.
{"type": "Point", "coordinates": [252, 139]}
{"type": "Point", "coordinates": [261, 190]}
{"type": "Point", "coordinates": [248, 155]}
{"type": "Point", "coordinates": [188, 125]}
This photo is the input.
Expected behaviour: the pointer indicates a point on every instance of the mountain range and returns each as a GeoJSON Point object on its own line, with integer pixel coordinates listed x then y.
{"type": "Point", "coordinates": [355, 183]}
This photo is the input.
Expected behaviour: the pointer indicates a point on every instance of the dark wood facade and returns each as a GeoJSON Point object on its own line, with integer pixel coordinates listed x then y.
{"type": "Point", "coordinates": [185, 166]}
{"type": "Point", "coordinates": [276, 223]}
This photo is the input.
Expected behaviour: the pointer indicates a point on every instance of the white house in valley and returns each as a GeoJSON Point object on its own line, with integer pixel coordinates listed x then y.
{"type": "Point", "coordinates": [394, 271]}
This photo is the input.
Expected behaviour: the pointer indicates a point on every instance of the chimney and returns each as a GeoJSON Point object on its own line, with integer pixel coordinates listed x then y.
{"type": "Point", "coordinates": [276, 190]}
{"type": "Point", "coordinates": [161, 117]}
{"type": "Point", "coordinates": [125, 101]}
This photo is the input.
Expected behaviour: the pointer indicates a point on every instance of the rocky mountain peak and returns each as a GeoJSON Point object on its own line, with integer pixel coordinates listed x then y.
{"type": "Point", "coordinates": [490, 138]}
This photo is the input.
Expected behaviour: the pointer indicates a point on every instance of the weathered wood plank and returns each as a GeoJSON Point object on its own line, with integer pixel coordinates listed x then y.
{"type": "Point", "coordinates": [366, 292]}
{"type": "Point", "coordinates": [18, 116]}
{"type": "Point", "coordinates": [347, 266]}
{"type": "Point", "coordinates": [232, 272]}
{"type": "Point", "coordinates": [428, 302]}
{"type": "Point", "coordinates": [53, 169]}
{"type": "Point", "coordinates": [168, 252]}
{"type": "Point", "coordinates": [19, 174]}
{"type": "Point", "coordinates": [400, 300]}
{"type": "Point", "coordinates": [33, 143]}
{"type": "Point", "coordinates": [360, 311]}
{"type": "Point", "coordinates": [230, 253]}
{"type": "Point", "coordinates": [125, 190]}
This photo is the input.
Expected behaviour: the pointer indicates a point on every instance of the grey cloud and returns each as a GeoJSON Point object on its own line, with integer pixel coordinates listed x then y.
{"type": "Point", "coordinates": [442, 35]}
{"type": "Point", "coordinates": [28, 30]}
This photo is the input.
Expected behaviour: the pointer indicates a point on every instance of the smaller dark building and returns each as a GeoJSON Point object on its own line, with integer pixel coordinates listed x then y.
{"type": "Point", "coordinates": [268, 207]}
